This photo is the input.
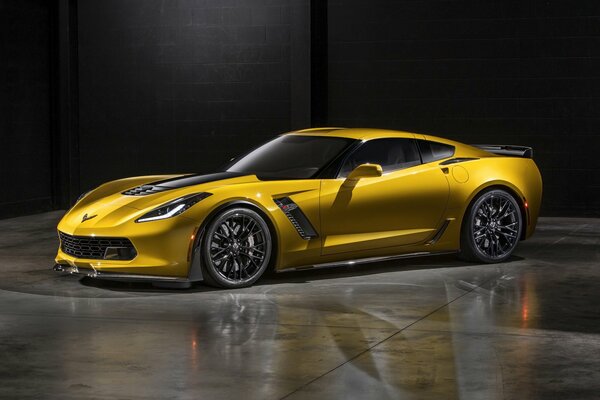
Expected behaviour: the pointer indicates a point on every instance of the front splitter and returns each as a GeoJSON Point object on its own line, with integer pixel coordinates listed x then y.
{"type": "Point", "coordinates": [160, 281]}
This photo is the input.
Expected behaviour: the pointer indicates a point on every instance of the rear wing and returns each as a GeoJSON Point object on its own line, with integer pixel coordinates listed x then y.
{"type": "Point", "coordinates": [506, 150]}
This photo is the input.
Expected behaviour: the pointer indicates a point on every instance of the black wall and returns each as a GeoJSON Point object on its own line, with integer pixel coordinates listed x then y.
{"type": "Point", "coordinates": [179, 86]}
{"type": "Point", "coordinates": [98, 90]}
{"type": "Point", "coordinates": [509, 72]}
{"type": "Point", "coordinates": [25, 90]}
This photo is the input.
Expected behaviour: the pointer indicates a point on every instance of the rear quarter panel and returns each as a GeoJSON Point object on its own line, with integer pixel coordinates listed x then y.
{"type": "Point", "coordinates": [520, 175]}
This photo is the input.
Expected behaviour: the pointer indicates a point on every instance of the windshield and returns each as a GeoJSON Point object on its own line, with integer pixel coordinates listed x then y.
{"type": "Point", "coordinates": [291, 157]}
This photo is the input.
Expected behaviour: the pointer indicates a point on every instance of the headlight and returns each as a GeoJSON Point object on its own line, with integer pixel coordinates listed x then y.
{"type": "Point", "coordinates": [173, 208]}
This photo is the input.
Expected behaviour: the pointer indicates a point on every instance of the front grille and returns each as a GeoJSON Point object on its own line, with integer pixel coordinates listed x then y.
{"type": "Point", "coordinates": [145, 190]}
{"type": "Point", "coordinates": [94, 247]}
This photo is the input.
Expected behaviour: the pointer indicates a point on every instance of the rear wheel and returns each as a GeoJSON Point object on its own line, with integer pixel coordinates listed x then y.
{"type": "Point", "coordinates": [491, 228]}
{"type": "Point", "coordinates": [236, 248]}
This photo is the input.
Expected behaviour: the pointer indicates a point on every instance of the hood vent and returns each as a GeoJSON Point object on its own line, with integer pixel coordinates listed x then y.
{"type": "Point", "coordinates": [145, 190]}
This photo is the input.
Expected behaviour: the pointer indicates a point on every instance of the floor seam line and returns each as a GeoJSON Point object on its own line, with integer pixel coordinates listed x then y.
{"type": "Point", "coordinates": [382, 341]}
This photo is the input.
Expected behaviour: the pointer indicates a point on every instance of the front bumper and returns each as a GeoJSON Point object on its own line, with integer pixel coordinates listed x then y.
{"type": "Point", "coordinates": [163, 249]}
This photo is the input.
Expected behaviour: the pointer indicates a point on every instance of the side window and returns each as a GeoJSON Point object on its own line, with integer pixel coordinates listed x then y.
{"type": "Point", "coordinates": [433, 151]}
{"type": "Point", "coordinates": [391, 154]}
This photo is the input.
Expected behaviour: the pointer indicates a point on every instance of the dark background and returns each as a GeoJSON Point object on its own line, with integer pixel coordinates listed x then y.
{"type": "Point", "coordinates": [97, 90]}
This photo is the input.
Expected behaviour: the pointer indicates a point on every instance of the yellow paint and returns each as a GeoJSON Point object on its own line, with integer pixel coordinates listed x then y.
{"type": "Point", "coordinates": [398, 212]}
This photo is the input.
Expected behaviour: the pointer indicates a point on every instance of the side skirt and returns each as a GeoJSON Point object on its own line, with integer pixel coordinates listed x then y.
{"type": "Point", "coordinates": [368, 260]}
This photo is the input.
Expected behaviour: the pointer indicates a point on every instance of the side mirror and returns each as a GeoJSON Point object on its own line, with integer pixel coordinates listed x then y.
{"type": "Point", "coordinates": [364, 171]}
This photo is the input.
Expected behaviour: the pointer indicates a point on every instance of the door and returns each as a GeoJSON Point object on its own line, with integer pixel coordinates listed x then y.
{"type": "Point", "coordinates": [403, 206]}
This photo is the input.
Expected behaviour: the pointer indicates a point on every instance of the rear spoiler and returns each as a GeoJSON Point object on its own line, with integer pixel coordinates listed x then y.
{"type": "Point", "coordinates": [506, 150]}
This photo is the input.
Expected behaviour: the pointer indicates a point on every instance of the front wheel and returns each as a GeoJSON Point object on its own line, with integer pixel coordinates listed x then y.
{"type": "Point", "coordinates": [491, 228]}
{"type": "Point", "coordinates": [236, 248]}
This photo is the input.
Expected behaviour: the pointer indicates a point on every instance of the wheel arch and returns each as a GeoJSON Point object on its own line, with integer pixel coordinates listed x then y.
{"type": "Point", "coordinates": [507, 187]}
{"type": "Point", "coordinates": [195, 262]}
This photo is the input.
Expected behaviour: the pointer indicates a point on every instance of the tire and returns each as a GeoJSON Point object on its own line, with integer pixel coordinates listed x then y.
{"type": "Point", "coordinates": [236, 248]}
{"type": "Point", "coordinates": [491, 228]}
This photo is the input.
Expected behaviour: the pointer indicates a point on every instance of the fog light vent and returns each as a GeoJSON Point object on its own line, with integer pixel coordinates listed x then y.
{"type": "Point", "coordinates": [119, 253]}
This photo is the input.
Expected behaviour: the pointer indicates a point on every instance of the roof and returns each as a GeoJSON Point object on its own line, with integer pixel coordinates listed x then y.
{"type": "Point", "coordinates": [372, 133]}
{"type": "Point", "coordinates": [355, 133]}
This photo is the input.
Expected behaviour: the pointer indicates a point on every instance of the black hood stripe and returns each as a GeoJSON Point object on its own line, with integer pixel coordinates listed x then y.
{"type": "Point", "coordinates": [191, 180]}
{"type": "Point", "coordinates": [179, 182]}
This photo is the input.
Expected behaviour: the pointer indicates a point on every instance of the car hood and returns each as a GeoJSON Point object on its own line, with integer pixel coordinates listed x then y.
{"type": "Point", "coordinates": [182, 181]}
{"type": "Point", "coordinates": [117, 202]}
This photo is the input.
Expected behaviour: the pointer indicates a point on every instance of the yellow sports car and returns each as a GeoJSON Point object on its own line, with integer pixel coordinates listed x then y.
{"type": "Point", "coordinates": [309, 198]}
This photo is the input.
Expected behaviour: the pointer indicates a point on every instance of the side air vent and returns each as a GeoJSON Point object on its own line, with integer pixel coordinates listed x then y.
{"type": "Point", "coordinates": [145, 190]}
{"type": "Point", "coordinates": [458, 160]}
{"type": "Point", "coordinates": [296, 217]}
{"type": "Point", "coordinates": [439, 232]}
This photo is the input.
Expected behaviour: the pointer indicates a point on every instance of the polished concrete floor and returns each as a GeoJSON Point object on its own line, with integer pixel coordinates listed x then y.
{"type": "Point", "coordinates": [429, 328]}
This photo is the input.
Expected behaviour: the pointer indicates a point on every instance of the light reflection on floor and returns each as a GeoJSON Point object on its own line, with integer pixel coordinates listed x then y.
{"type": "Point", "coordinates": [431, 328]}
